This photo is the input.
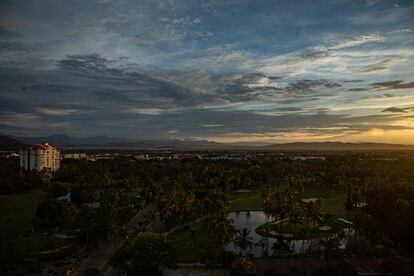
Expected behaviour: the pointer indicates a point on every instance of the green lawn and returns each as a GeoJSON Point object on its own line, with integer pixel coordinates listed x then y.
{"type": "Point", "coordinates": [186, 246]}
{"type": "Point", "coordinates": [333, 200]}
{"type": "Point", "coordinates": [248, 201]}
{"type": "Point", "coordinates": [16, 213]}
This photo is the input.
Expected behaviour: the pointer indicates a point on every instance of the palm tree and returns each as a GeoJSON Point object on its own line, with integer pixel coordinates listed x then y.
{"type": "Point", "coordinates": [280, 247]}
{"type": "Point", "coordinates": [227, 234]}
{"type": "Point", "coordinates": [263, 244]}
{"type": "Point", "coordinates": [295, 215]}
{"type": "Point", "coordinates": [312, 213]}
{"type": "Point", "coordinates": [289, 205]}
{"type": "Point", "coordinates": [349, 204]}
{"type": "Point", "coordinates": [267, 202]}
{"type": "Point", "coordinates": [278, 210]}
{"type": "Point", "coordinates": [243, 240]}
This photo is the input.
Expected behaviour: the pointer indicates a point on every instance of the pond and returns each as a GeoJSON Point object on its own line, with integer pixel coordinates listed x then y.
{"type": "Point", "coordinates": [251, 220]}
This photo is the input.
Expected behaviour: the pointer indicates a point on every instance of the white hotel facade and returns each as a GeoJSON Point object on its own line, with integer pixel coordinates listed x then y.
{"type": "Point", "coordinates": [40, 157]}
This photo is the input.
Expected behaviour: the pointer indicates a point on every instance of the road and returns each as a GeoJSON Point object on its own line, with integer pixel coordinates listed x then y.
{"type": "Point", "coordinates": [98, 258]}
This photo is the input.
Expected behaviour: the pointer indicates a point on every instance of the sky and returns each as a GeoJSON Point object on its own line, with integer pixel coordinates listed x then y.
{"type": "Point", "coordinates": [227, 71]}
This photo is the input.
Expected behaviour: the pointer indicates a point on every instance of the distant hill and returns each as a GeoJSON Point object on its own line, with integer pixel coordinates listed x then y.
{"type": "Point", "coordinates": [105, 142]}
{"type": "Point", "coordinates": [61, 140]}
{"type": "Point", "coordinates": [318, 146]}
{"type": "Point", "coordinates": [9, 144]}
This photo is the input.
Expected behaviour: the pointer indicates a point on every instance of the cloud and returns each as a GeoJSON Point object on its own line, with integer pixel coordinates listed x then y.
{"type": "Point", "coordinates": [378, 66]}
{"type": "Point", "coordinates": [296, 63]}
{"type": "Point", "coordinates": [90, 63]}
{"type": "Point", "coordinates": [355, 41]}
{"type": "Point", "coordinates": [222, 59]}
{"type": "Point", "coordinates": [150, 111]}
{"type": "Point", "coordinates": [399, 109]}
{"type": "Point", "coordinates": [183, 69]}
{"type": "Point", "coordinates": [359, 89]}
{"type": "Point", "coordinates": [381, 17]}
{"type": "Point", "coordinates": [300, 86]}
{"type": "Point", "coordinates": [394, 110]}
{"type": "Point", "coordinates": [14, 46]}
{"type": "Point", "coordinates": [217, 125]}
{"type": "Point", "coordinates": [371, 2]}
{"type": "Point", "coordinates": [8, 28]}
{"type": "Point", "coordinates": [387, 85]}
{"type": "Point", "coordinates": [56, 112]}
{"type": "Point", "coordinates": [375, 131]}
{"type": "Point", "coordinates": [333, 56]}
{"type": "Point", "coordinates": [354, 81]}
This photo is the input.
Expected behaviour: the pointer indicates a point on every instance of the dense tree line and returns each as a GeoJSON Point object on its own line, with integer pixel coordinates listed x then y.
{"type": "Point", "coordinates": [186, 190]}
{"type": "Point", "coordinates": [14, 180]}
{"type": "Point", "coordinates": [182, 189]}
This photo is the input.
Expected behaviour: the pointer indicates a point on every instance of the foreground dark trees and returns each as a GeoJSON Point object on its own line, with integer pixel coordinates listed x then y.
{"type": "Point", "coordinates": [105, 194]}
{"type": "Point", "coordinates": [187, 190]}
{"type": "Point", "coordinates": [14, 180]}
{"type": "Point", "coordinates": [144, 254]}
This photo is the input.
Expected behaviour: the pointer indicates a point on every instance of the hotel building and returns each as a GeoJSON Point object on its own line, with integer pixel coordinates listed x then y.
{"type": "Point", "coordinates": [40, 157]}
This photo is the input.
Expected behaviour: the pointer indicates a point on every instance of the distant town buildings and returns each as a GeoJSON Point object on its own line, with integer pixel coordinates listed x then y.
{"type": "Point", "coordinates": [74, 156]}
{"type": "Point", "coordinates": [142, 157]}
{"type": "Point", "coordinates": [40, 157]}
{"type": "Point", "coordinates": [12, 155]}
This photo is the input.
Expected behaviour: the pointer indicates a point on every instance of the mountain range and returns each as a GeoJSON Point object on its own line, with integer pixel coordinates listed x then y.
{"type": "Point", "coordinates": [10, 144]}
{"type": "Point", "coordinates": [106, 142]}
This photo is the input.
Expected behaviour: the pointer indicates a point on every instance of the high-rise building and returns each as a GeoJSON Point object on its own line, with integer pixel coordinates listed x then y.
{"type": "Point", "coordinates": [40, 157]}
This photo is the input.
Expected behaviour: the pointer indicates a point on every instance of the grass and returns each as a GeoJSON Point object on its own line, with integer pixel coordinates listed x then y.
{"type": "Point", "coordinates": [333, 200]}
{"type": "Point", "coordinates": [248, 201]}
{"type": "Point", "coordinates": [16, 214]}
{"type": "Point", "coordinates": [186, 244]}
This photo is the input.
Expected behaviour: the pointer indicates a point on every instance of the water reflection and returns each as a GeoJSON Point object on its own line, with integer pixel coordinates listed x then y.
{"type": "Point", "coordinates": [251, 220]}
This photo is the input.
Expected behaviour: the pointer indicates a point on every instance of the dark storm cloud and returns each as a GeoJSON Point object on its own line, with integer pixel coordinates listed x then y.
{"type": "Point", "coordinates": [353, 81]}
{"type": "Point", "coordinates": [305, 85]}
{"type": "Point", "coordinates": [127, 87]}
{"type": "Point", "coordinates": [13, 104]}
{"type": "Point", "coordinates": [290, 109]}
{"type": "Point", "coordinates": [310, 55]}
{"type": "Point", "coordinates": [395, 110]}
{"type": "Point", "coordinates": [14, 46]}
{"type": "Point", "coordinates": [91, 62]}
{"type": "Point", "coordinates": [245, 87]}
{"type": "Point", "coordinates": [239, 90]}
{"type": "Point", "coordinates": [360, 89]}
{"type": "Point", "coordinates": [379, 66]}
{"type": "Point", "coordinates": [387, 85]}
{"type": "Point", "coordinates": [84, 91]}
{"type": "Point", "coordinates": [398, 84]}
